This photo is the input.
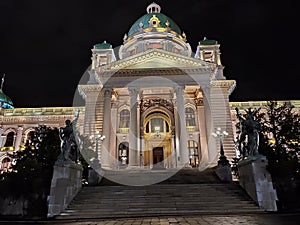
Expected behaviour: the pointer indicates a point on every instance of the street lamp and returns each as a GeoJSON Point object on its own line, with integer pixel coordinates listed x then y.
{"type": "Point", "coordinates": [221, 134]}
{"type": "Point", "coordinates": [97, 137]}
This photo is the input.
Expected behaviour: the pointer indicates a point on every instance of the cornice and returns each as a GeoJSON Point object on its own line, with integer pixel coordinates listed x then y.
{"type": "Point", "coordinates": [229, 84]}
{"type": "Point", "coordinates": [262, 104]}
{"type": "Point", "coordinates": [40, 111]}
{"type": "Point", "coordinates": [87, 88]}
{"type": "Point", "coordinates": [155, 71]}
{"type": "Point", "coordinates": [34, 119]}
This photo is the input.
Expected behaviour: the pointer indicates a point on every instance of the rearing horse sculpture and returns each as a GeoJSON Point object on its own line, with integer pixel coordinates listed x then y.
{"type": "Point", "coordinates": [248, 139]}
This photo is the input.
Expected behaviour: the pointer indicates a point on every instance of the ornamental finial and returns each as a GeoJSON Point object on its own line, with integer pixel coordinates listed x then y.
{"type": "Point", "coordinates": [2, 81]}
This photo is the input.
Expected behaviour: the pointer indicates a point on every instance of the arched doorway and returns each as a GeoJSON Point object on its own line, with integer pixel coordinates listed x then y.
{"type": "Point", "coordinates": [123, 153]}
{"type": "Point", "coordinates": [158, 140]}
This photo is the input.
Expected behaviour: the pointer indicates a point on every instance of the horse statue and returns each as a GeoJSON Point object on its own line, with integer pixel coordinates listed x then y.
{"type": "Point", "coordinates": [67, 134]}
{"type": "Point", "coordinates": [248, 140]}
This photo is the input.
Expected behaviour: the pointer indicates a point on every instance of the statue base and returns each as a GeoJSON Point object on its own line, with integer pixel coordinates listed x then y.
{"type": "Point", "coordinates": [257, 181]}
{"type": "Point", "coordinates": [224, 172]}
{"type": "Point", "coordinates": [94, 178]}
{"type": "Point", "coordinates": [65, 184]}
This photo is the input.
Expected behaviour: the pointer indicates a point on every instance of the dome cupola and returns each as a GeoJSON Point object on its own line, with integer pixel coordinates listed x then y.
{"type": "Point", "coordinates": [154, 20]}
{"type": "Point", "coordinates": [154, 30]}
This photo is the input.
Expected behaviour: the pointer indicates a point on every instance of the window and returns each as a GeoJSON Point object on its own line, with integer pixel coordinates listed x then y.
{"type": "Point", "coordinates": [29, 137]}
{"type": "Point", "coordinates": [5, 164]}
{"type": "Point", "coordinates": [190, 117]}
{"type": "Point", "coordinates": [124, 118]}
{"type": "Point", "coordinates": [193, 153]}
{"type": "Point", "coordinates": [157, 125]}
{"type": "Point", "coordinates": [9, 139]}
{"type": "Point", "coordinates": [123, 153]}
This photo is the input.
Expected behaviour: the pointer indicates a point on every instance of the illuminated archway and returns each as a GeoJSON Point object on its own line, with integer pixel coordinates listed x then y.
{"type": "Point", "coordinates": [157, 133]}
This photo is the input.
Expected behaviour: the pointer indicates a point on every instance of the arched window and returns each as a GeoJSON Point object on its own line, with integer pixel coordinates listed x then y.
{"type": "Point", "coordinates": [190, 117]}
{"type": "Point", "coordinates": [5, 164]}
{"type": "Point", "coordinates": [157, 125]}
{"type": "Point", "coordinates": [193, 153]}
{"type": "Point", "coordinates": [29, 137]}
{"type": "Point", "coordinates": [124, 118]}
{"type": "Point", "coordinates": [9, 139]}
{"type": "Point", "coordinates": [124, 153]}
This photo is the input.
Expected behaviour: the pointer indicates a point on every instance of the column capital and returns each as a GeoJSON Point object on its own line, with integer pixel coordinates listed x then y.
{"type": "Point", "coordinates": [20, 127]}
{"type": "Point", "coordinates": [199, 101]}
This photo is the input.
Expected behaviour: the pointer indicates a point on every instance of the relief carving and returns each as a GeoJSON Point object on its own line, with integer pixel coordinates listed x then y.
{"type": "Point", "coordinates": [147, 103]}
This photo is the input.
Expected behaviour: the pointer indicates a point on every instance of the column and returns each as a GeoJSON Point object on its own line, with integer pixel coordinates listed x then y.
{"type": "Point", "coordinates": [105, 147]}
{"type": "Point", "coordinates": [202, 131]}
{"type": "Point", "coordinates": [18, 138]}
{"type": "Point", "coordinates": [176, 129]}
{"type": "Point", "coordinates": [142, 151]}
{"type": "Point", "coordinates": [2, 137]}
{"type": "Point", "coordinates": [183, 148]}
{"type": "Point", "coordinates": [138, 132]}
{"type": "Point", "coordinates": [212, 148]}
{"type": "Point", "coordinates": [133, 153]}
{"type": "Point", "coordinates": [174, 153]}
{"type": "Point", "coordinates": [113, 137]}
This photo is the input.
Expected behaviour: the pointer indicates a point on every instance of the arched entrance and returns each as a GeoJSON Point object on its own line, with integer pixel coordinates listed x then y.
{"type": "Point", "coordinates": [158, 140]}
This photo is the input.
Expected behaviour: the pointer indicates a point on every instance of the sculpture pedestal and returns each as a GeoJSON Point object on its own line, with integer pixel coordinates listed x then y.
{"type": "Point", "coordinates": [95, 173]}
{"type": "Point", "coordinates": [65, 184]}
{"type": "Point", "coordinates": [94, 177]}
{"type": "Point", "coordinates": [223, 170]}
{"type": "Point", "coordinates": [257, 181]}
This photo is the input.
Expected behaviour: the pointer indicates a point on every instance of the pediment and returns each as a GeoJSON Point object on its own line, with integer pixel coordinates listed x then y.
{"type": "Point", "coordinates": [157, 58]}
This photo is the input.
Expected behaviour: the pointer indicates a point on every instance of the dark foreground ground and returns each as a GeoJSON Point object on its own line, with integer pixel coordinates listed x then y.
{"type": "Point", "coordinates": [250, 219]}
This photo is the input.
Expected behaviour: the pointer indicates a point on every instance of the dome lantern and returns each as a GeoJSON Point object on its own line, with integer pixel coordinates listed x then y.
{"type": "Point", "coordinates": [153, 8]}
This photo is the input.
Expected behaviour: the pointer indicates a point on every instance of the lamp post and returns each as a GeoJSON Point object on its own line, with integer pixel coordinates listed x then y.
{"type": "Point", "coordinates": [221, 134]}
{"type": "Point", "coordinates": [97, 137]}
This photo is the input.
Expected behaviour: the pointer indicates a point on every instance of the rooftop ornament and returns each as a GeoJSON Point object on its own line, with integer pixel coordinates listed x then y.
{"type": "Point", "coordinates": [153, 8]}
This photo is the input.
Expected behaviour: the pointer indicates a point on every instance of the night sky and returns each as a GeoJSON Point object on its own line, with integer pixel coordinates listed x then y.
{"type": "Point", "coordinates": [45, 44]}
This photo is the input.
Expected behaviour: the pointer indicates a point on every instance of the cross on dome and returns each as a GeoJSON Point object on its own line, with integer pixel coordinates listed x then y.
{"type": "Point", "coordinates": [153, 8]}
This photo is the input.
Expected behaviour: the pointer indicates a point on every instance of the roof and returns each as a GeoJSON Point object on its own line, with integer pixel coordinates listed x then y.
{"type": "Point", "coordinates": [206, 41]}
{"type": "Point", "coordinates": [103, 45]}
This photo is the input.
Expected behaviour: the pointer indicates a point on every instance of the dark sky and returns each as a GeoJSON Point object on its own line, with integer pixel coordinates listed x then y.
{"type": "Point", "coordinates": [45, 44]}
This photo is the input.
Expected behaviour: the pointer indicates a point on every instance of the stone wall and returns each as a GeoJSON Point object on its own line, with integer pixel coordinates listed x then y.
{"type": "Point", "coordinates": [257, 182]}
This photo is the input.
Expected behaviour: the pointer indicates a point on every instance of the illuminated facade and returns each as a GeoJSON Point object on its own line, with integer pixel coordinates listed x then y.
{"type": "Point", "coordinates": [156, 103]}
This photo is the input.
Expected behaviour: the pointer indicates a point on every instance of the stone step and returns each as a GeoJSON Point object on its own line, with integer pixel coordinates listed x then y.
{"type": "Point", "coordinates": [181, 194]}
{"type": "Point", "coordinates": [153, 212]}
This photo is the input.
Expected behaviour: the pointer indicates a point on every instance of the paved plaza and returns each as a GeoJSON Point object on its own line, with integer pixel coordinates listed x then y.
{"type": "Point", "coordinates": [253, 219]}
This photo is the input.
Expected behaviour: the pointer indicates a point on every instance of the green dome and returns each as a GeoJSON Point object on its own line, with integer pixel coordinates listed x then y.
{"type": "Point", "coordinates": [145, 21]}
{"type": "Point", "coordinates": [5, 101]}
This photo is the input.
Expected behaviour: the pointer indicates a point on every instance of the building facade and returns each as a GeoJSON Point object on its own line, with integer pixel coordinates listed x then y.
{"type": "Point", "coordinates": [155, 101]}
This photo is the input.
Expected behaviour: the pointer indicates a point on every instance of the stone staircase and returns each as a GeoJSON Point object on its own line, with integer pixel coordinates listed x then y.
{"type": "Point", "coordinates": [180, 195]}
